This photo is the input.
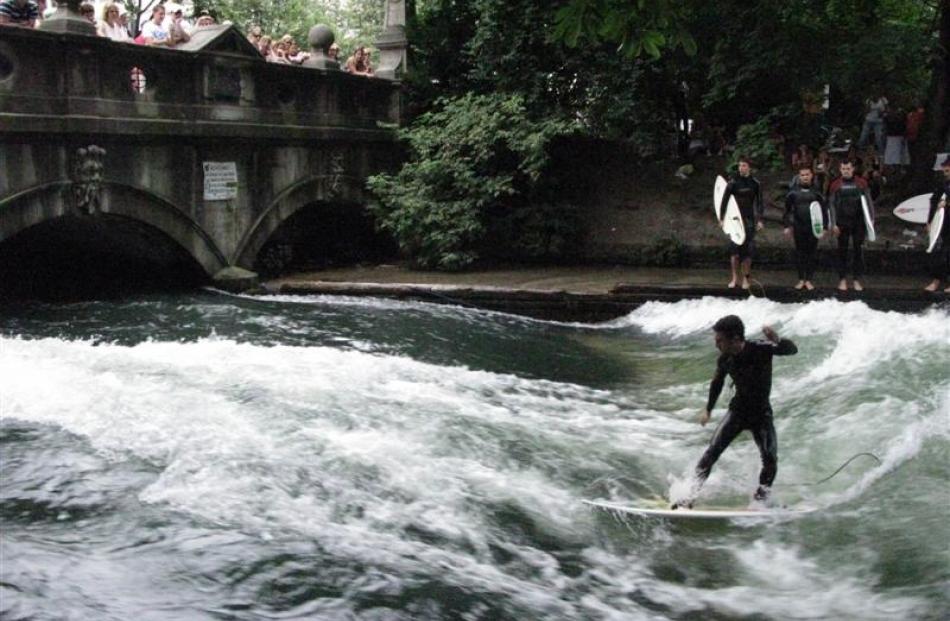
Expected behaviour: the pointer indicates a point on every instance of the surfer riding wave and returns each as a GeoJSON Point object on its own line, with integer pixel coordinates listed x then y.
{"type": "Point", "coordinates": [749, 364]}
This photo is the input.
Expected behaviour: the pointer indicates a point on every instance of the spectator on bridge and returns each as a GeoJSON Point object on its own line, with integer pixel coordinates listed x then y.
{"type": "Point", "coordinates": [266, 48]}
{"type": "Point", "coordinates": [334, 52]}
{"type": "Point", "coordinates": [254, 36]}
{"type": "Point", "coordinates": [204, 20]}
{"type": "Point", "coordinates": [358, 63]}
{"type": "Point", "coordinates": [88, 12]}
{"type": "Point", "coordinates": [296, 55]}
{"type": "Point", "coordinates": [153, 31]}
{"type": "Point", "coordinates": [110, 26]}
{"type": "Point", "coordinates": [179, 30]}
{"type": "Point", "coordinates": [21, 13]}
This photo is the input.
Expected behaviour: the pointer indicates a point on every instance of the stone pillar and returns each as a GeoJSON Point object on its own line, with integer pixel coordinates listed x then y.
{"type": "Point", "coordinates": [392, 43]}
{"type": "Point", "coordinates": [320, 38]}
{"type": "Point", "coordinates": [67, 19]}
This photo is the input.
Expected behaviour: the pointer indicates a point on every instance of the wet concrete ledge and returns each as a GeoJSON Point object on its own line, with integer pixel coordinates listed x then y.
{"type": "Point", "coordinates": [621, 299]}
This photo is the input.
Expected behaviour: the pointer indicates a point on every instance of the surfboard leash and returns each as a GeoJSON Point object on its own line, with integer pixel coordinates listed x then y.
{"type": "Point", "coordinates": [840, 468]}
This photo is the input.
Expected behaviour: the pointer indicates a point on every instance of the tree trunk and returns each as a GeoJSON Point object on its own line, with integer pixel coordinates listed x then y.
{"type": "Point", "coordinates": [934, 133]}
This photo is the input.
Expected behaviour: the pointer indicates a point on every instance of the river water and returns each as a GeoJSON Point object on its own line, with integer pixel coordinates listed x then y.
{"type": "Point", "coordinates": [218, 457]}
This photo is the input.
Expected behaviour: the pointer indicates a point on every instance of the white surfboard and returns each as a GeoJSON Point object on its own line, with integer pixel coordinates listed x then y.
{"type": "Point", "coordinates": [817, 220]}
{"type": "Point", "coordinates": [868, 220]}
{"type": "Point", "coordinates": [732, 222]}
{"type": "Point", "coordinates": [936, 225]}
{"type": "Point", "coordinates": [914, 209]}
{"type": "Point", "coordinates": [710, 513]}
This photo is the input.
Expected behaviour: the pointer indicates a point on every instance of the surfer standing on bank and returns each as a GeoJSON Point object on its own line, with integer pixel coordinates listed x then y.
{"type": "Point", "coordinates": [798, 224]}
{"type": "Point", "coordinates": [748, 194]}
{"type": "Point", "coordinates": [941, 260]}
{"type": "Point", "coordinates": [848, 222]}
{"type": "Point", "coordinates": [749, 364]}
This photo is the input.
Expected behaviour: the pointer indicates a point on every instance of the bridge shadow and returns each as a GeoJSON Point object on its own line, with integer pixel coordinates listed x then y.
{"type": "Point", "coordinates": [73, 258]}
{"type": "Point", "coordinates": [324, 234]}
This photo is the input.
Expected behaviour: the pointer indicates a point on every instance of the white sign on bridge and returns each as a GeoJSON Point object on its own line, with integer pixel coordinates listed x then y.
{"type": "Point", "coordinates": [221, 180]}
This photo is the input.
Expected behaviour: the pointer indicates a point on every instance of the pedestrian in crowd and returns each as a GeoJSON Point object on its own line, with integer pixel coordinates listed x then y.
{"type": "Point", "coordinates": [802, 157]}
{"type": "Point", "coordinates": [798, 225]}
{"type": "Point", "coordinates": [915, 119]}
{"type": "Point", "coordinates": [20, 13]}
{"type": "Point", "coordinates": [748, 194]}
{"type": "Point", "coordinates": [359, 63]}
{"type": "Point", "coordinates": [895, 151]}
{"type": "Point", "coordinates": [110, 26]}
{"type": "Point", "coordinates": [88, 12]}
{"type": "Point", "coordinates": [940, 199]}
{"type": "Point", "coordinates": [124, 20]}
{"type": "Point", "coordinates": [824, 165]}
{"type": "Point", "coordinates": [874, 173]}
{"type": "Point", "coordinates": [848, 224]}
{"type": "Point", "coordinates": [874, 122]}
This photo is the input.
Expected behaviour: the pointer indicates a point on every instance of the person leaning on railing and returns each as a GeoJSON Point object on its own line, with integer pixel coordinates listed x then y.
{"type": "Point", "coordinates": [20, 13]}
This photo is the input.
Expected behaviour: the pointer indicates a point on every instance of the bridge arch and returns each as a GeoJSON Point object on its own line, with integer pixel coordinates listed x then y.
{"type": "Point", "coordinates": [316, 189]}
{"type": "Point", "coordinates": [51, 201]}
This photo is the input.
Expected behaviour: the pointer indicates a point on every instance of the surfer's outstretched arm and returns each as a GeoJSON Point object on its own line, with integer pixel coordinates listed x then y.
{"type": "Point", "coordinates": [783, 347]}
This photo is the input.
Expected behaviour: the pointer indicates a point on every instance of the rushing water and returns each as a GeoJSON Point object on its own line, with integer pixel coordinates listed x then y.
{"type": "Point", "coordinates": [216, 457]}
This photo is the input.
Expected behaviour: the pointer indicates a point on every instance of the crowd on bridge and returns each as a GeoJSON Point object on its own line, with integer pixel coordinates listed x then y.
{"type": "Point", "coordinates": [168, 26]}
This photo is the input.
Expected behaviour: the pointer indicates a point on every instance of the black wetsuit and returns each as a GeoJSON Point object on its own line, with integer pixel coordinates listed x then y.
{"type": "Point", "coordinates": [798, 218]}
{"type": "Point", "coordinates": [848, 215]}
{"type": "Point", "coordinates": [940, 266]}
{"type": "Point", "coordinates": [751, 372]}
{"type": "Point", "coordinates": [748, 195]}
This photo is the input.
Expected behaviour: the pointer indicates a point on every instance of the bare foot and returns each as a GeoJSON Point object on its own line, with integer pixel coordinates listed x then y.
{"type": "Point", "coordinates": [858, 286]}
{"type": "Point", "coordinates": [842, 285]}
{"type": "Point", "coordinates": [801, 283]}
{"type": "Point", "coordinates": [732, 284]}
{"type": "Point", "coordinates": [932, 286]}
{"type": "Point", "coordinates": [947, 290]}
{"type": "Point", "coordinates": [745, 283]}
{"type": "Point", "coordinates": [809, 286]}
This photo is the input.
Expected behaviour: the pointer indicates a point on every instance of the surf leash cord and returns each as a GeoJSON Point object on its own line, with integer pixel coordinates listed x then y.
{"type": "Point", "coordinates": [840, 468]}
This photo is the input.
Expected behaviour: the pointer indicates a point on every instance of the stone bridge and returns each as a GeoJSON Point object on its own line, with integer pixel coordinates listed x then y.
{"type": "Point", "coordinates": [196, 154]}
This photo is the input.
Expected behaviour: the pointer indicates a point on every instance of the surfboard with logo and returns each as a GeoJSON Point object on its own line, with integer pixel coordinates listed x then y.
{"type": "Point", "coordinates": [817, 219]}
{"type": "Point", "coordinates": [731, 224]}
{"type": "Point", "coordinates": [915, 209]}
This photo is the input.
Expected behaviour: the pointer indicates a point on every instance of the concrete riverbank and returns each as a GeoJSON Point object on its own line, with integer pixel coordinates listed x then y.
{"type": "Point", "coordinates": [592, 293]}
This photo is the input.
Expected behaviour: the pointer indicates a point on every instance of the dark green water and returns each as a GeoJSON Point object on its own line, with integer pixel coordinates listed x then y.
{"type": "Point", "coordinates": [215, 457]}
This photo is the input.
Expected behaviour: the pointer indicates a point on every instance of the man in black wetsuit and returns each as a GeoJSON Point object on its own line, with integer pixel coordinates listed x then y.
{"type": "Point", "coordinates": [798, 224]}
{"type": "Point", "coordinates": [748, 193]}
{"type": "Point", "coordinates": [749, 364]}
{"type": "Point", "coordinates": [847, 221]}
{"type": "Point", "coordinates": [941, 259]}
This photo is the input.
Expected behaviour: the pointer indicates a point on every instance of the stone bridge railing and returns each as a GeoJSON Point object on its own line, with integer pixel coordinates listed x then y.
{"type": "Point", "coordinates": [216, 85]}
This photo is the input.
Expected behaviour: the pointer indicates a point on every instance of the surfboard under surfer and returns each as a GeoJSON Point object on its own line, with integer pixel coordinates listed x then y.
{"type": "Point", "coordinates": [749, 364]}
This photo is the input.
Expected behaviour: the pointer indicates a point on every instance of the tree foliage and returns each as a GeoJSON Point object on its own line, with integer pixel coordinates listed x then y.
{"type": "Point", "coordinates": [472, 157]}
